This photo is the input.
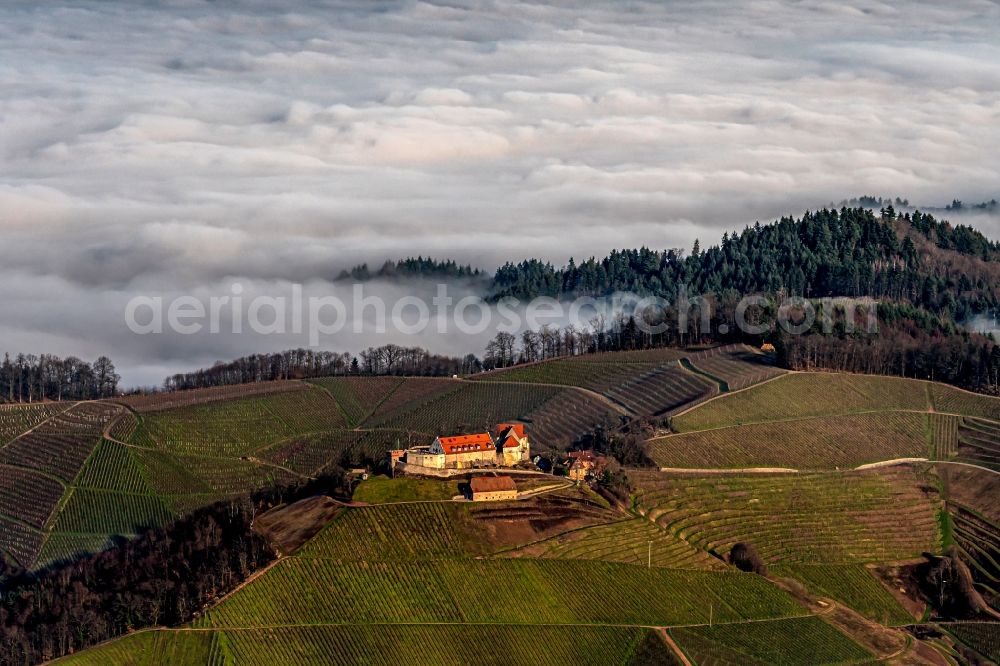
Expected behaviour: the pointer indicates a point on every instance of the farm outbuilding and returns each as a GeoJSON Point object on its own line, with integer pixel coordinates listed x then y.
{"type": "Point", "coordinates": [493, 488]}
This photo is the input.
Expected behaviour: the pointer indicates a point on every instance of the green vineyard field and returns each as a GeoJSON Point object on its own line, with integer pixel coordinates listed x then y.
{"type": "Point", "coordinates": [358, 397]}
{"type": "Point", "coordinates": [154, 402]}
{"type": "Point", "coordinates": [800, 395]}
{"type": "Point", "coordinates": [112, 466]}
{"type": "Point", "coordinates": [238, 427]}
{"type": "Point", "coordinates": [983, 637]}
{"type": "Point", "coordinates": [735, 365]}
{"type": "Point", "coordinates": [16, 419]}
{"type": "Point", "coordinates": [316, 591]}
{"type": "Point", "coordinates": [105, 512]}
{"type": "Point", "coordinates": [849, 517]}
{"type": "Point", "coordinates": [635, 541]}
{"type": "Point", "coordinates": [310, 454]}
{"type": "Point", "coordinates": [644, 389]}
{"type": "Point", "coordinates": [852, 585]}
{"type": "Point", "coordinates": [951, 400]}
{"type": "Point", "coordinates": [816, 443]}
{"type": "Point", "coordinates": [978, 442]}
{"type": "Point", "coordinates": [385, 645]}
{"type": "Point", "coordinates": [395, 533]}
{"type": "Point", "coordinates": [944, 436]}
{"type": "Point", "coordinates": [471, 407]}
{"type": "Point", "coordinates": [796, 642]}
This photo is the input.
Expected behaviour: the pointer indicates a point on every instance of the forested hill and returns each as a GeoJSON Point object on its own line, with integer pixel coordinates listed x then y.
{"type": "Point", "coordinates": [851, 252]}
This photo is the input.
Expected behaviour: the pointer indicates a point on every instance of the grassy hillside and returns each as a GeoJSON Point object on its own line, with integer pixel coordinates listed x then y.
{"type": "Point", "coordinates": [435, 582]}
{"type": "Point", "coordinates": [67, 490]}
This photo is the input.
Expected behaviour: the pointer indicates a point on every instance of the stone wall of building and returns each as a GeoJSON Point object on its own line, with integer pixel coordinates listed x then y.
{"type": "Point", "coordinates": [495, 496]}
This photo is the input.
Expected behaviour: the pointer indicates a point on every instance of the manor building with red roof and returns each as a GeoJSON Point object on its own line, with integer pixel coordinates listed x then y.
{"type": "Point", "coordinates": [507, 446]}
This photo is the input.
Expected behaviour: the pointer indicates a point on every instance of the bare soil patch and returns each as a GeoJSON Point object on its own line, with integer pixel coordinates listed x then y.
{"type": "Point", "coordinates": [289, 526]}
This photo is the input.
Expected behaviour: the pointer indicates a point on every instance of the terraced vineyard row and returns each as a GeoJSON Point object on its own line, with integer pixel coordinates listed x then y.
{"type": "Point", "coordinates": [19, 541]}
{"type": "Point", "coordinates": [61, 547]}
{"type": "Point", "coordinates": [979, 443]}
{"type": "Point", "coordinates": [166, 475]}
{"type": "Point", "coordinates": [979, 539]}
{"type": "Point", "coordinates": [124, 430]}
{"type": "Point", "coordinates": [644, 389]}
{"type": "Point", "coordinates": [565, 418]}
{"type": "Point", "coordinates": [944, 436]}
{"type": "Point", "coordinates": [60, 455]}
{"type": "Point", "coordinates": [635, 541]}
{"type": "Point", "coordinates": [177, 399]}
{"type": "Point", "coordinates": [852, 585]}
{"type": "Point", "coordinates": [811, 518]}
{"type": "Point", "coordinates": [230, 476]}
{"type": "Point", "coordinates": [16, 419]}
{"type": "Point", "coordinates": [807, 641]}
{"type": "Point", "coordinates": [473, 407]}
{"type": "Point", "coordinates": [983, 637]}
{"type": "Point", "coordinates": [237, 427]}
{"type": "Point", "coordinates": [83, 418]}
{"type": "Point", "coordinates": [659, 356]}
{"type": "Point", "coordinates": [27, 496]}
{"type": "Point", "coordinates": [952, 400]}
{"type": "Point", "coordinates": [112, 466]}
{"type": "Point", "coordinates": [384, 645]}
{"type": "Point", "coordinates": [358, 396]}
{"type": "Point", "coordinates": [414, 391]}
{"type": "Point", "coordinates": [661, 391]}
{"type": "Point", "coordinates": [736, 365]}
{"type": "Point", "coordinates": [597, 377]}
{"type": "Point", "coordinates": [35, 469]}
{"type": "Point", "coordinates": [800, 395]}
{"type": "Point", "coordinates": [308, 591]}
{"type": "Point", "coordinates": [309, 454]}
{"type": "Point", "coordinates": [396, 532]}
{"type": "Point", "coordinates": [105, 512]}
{"type": "Point", "coordinates": [816, 443]}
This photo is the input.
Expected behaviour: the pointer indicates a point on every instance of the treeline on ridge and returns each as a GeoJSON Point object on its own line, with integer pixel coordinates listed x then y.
{"type": "Point", "coordinates": [410, 267]}
{"type": "Point", "coordinates": [850, 252]}
{"type": "Point", "coordinates": [31, 378]}
{"type": "Point", "coordinates": [301, 363]}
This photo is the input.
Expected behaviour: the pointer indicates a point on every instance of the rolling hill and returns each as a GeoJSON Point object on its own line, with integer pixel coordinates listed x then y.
{"type": "Point", "coordinates": [386, 572]}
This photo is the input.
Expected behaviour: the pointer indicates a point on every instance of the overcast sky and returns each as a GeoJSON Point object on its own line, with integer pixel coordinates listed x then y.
{"type": "Point", "coordinates": [170, 147]}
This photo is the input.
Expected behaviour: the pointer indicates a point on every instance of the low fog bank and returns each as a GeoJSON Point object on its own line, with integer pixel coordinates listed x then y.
{"type": "Point", "coordinates": [168, 147]}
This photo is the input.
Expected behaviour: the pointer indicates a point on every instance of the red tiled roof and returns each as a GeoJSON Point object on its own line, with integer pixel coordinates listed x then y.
{"type": "Point", "coordinates": [492, 484]}
{"type": "Point", "coordinates": [466, 443]}
{"type": "Point", "coordinates": [502, 429]}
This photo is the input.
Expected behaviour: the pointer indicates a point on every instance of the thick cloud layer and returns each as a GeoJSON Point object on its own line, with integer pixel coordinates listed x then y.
{"type": "Point", "coordinates": [173, 146]}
